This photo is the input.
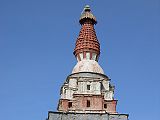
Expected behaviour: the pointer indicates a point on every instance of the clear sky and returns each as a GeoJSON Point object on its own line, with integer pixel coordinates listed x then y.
{"type": "Point", "coordinates": [37, 39]}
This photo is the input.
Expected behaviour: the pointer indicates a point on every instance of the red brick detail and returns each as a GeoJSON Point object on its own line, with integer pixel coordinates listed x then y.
{"type": "Point", "coordinates": [87, 40]}
{"type": "Point", "coordinates": [111, 106]}
{"type": "Point", "coordinates": [84, 54]}
{"type": "Point", "coordinates": [90, 55]}
{"type": "Point", "coordinates": [95, 102]}
{"type": "Point", "coordinates": [63, 105]}
{"type": "Point", "coordinates": [80, 104]}
{"type": "Point", "coordinates": [79, 57]}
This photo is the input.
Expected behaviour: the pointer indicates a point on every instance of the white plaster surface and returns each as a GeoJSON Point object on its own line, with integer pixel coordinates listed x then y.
{"type": "Point", "coordinates": [94, 88]}
{"type": "Point", "coordinates": [87, 66]}
{"type": "Point", "coordinates": [67, 93]}
{"type": "Point", "coordinates": [108, 95]}
{"type": "Point", "coordinates": [105, 84]}
{"type": "Point", "coordinates": [73, 83]}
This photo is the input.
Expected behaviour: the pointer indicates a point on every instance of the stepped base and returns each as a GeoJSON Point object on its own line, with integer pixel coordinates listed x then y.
{"type": "Point", "coordinates": [85, 116]}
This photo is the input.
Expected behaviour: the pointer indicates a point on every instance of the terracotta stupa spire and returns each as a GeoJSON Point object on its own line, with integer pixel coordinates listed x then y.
{"type": "Point", "coordinates": [87, 48]}
{"type": "Point", "coordinates": [87, 45]}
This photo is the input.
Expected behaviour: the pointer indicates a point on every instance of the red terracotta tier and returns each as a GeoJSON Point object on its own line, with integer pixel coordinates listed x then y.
{"type": "Point", "coordinates": [87, 41]}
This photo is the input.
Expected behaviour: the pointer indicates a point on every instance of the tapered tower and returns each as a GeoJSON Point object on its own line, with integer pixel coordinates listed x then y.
{"type": "Point", "coordinates": [87, 90]}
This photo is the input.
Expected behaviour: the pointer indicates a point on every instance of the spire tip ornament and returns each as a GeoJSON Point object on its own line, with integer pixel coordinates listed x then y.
{"type": "Point", "coordinates": [87, 8]}
{"type": "Point", "coordinates": [86, 14]}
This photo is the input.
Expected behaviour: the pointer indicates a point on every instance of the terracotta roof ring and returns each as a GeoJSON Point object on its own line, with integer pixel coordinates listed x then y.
{"type": "Point", "coordinates": [97, 50]}
{"type": "Point", "coordinates": [76, 52]}
{"type": "Point", "coordinates": [83, 20]}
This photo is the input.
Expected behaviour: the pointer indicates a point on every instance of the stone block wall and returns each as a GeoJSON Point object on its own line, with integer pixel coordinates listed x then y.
{"type": "Point", "coordinates": [85, 116]}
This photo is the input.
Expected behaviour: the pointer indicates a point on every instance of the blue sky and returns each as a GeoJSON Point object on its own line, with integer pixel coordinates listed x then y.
{"type": "Point", "coordinates": [37, 39]}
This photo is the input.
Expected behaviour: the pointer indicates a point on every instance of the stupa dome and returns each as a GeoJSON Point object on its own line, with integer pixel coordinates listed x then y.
{"type": "Point", "coordinates": [88, 66]}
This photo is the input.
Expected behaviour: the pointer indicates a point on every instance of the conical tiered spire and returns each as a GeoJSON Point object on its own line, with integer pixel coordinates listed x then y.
{"type": "Point", "coordinates": [87, 48]}
{"type": "Point", "coordinates": [87, 45]}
